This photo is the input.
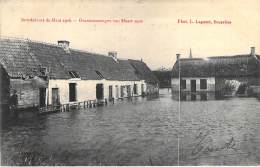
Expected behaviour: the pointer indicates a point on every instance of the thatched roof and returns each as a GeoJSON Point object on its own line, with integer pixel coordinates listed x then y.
{"type": "Point", "coordinates": [222, 66]}
{"type": "Point", "coordinates": [27, 58]}
{"type": "Point", "coordinates": [143, 72]}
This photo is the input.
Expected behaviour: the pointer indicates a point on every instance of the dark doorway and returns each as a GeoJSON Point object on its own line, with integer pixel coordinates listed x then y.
{"type": "Point", "coordinates": [117, 91]}
{"type": "Point", "coordinates": [42, 95]}
{"type": "Point", "coordinates": [110, 92]}
{"type": "Point", "coordinates": [128, 89]}
{"type": "Point", "coordinates": [122, 91]}
{"type": "Point", "coordinates": [193, 85]}
{"type": "Point", "coordinates": [55, 96]}
{"type": "Point", "coordinates": [135, 88]}
{"type": "Point", "coordinates": [72, 92]}
{"type": "Point", "coordinates": [99, 91]}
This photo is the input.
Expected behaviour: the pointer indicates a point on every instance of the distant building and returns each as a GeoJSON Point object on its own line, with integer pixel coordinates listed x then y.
{"type": "Point", "coordinates": [164, 78]}
{"type": "Point", "coordinates": [44, 74]}
{"type": "Point", "coordinates": [198, 78]}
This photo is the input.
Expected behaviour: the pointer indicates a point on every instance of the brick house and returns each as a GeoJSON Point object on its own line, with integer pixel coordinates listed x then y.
{"type": "Point", "coordinates": [44, 73]}
{"type": "Point", "coordinates": [212, 77]}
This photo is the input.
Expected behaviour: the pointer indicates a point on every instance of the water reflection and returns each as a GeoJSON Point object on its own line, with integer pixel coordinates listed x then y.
{"type": "Point", "coordinates": [198, 96]}
{"type": "Point", "coordinates": [138, 131]}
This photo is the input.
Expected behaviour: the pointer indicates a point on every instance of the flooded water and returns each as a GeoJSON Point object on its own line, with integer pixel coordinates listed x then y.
{"type": "Point", "coordinates": [138, 132]}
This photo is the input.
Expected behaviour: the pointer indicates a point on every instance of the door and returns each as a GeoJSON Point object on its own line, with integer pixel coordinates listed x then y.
{"type": "Point", "coordinates": [42, 95]}
{"type": "Point", "coordinates": [55, 96]}
{"type": "Point", "coordinates": [72, 92]}
{"type": "Point", "coordinates": [110, 92]}
{"type": "Point", "coordinates": [99, 91]}
{"type": "Point", "coordinates": [193, 85]}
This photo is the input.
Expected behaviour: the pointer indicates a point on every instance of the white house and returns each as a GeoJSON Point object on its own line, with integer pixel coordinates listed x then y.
{"type": "Point", "coordinates": [66, 75]}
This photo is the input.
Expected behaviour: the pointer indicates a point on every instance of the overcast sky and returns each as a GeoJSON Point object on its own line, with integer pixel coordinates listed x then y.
{"type": "Point", "coordinates": [156, 40]}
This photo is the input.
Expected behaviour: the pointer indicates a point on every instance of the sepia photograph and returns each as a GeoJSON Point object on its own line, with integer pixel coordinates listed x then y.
{"type": "Point", "coordinates": [130, 83]}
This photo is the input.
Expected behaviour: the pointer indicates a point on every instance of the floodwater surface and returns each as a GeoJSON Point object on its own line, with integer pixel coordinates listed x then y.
{"type": "Point", "coordinates": [159, 131]}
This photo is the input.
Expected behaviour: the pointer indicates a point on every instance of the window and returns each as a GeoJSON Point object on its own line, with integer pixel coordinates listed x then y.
{"type": "Point", "coordinates": [183, 84]}
{"type": "Point", "coordinates": [203, 84]}
{"type": "Point", "coordinates": [99, 74]}
{"type": "Point", "coordinates": [43, 71]}
{"type": "Point", "coordinates": [74, 74]}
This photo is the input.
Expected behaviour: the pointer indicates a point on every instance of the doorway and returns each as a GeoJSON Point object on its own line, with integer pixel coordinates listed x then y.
{"type": "Point", "coordinates": [193, 85]}
{"type": "Point", "coordinates": [72, 92]}
{"type": "Point", "coordinates": [142, 89]}
{"type": "Point", "coordinates": [122, 91]}
{"type": "Point", "coordinates": [42, 95]}
{"type": "Point", "coordinates": [55, 96]}
{"type": "Point", "coordinates": [128, 90]}
{"type": "Point", "coordinates": [110, 93]}
{"type": "Point", "coordinates": [99, 91]}
{"type": "Point", "coordinates": [135, 89]}
{"type": "Point", "coordinates": [117, 92]}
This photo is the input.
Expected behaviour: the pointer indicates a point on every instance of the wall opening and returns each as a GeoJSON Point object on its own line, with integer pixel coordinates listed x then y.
{"type": "Point", "coordinates": [42, 97]}
{"type": "Point", "coordinates": [135, 88]}
{"type": "Point", "coordinates": [99, 91]}
{"type": "Point", "coordinates": [193, 85]}
{"type": "Point", "coordinates": [128, 90]}
{"type": "Point", "coordinates": [183, 84]}
{"type": "Point", "coordinates": [72, 92]}
{"type": "Point", "coordinates": [110, 95]}
{"type": "Point", "coordinates": [122, 91]}
{"type": "Point", "coordinates": [203, 84]}
{"type": "Point", "coordinates": [117, 91]}
{"type": "Point", "coordinates": [55, 96]}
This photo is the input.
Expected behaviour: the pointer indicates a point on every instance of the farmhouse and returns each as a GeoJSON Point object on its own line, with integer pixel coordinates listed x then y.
{"type": "Point", "coordinates": [214, 77]}
{"type": "Point", "coordinates": [45, 74]}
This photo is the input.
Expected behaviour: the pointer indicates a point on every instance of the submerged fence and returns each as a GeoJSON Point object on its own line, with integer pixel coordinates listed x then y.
{"type": "Point", "coordinates": [71, 106]}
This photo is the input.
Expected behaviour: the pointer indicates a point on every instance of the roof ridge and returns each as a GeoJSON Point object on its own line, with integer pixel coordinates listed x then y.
{"type": "Point", "coordinates": [52, 44]}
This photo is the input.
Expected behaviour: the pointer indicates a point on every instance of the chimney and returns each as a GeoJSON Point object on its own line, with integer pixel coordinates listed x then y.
{"type": "Point", "coordinates": [65, 44]}
{"type": "Point", "coordinates": [178, 56]}
{"type": "Point", "coordinates": [252, 51]}
{"type": "Point", "coordinates": [113, 55]}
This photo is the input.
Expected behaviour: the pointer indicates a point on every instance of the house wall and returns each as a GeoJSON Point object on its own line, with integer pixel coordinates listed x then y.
{"type": "Point", "coordinates": [175, 84]}
{"type": "Point", "coordinates": [4, 87]}
{"type": "Point", "coordinates": [86, 89]}
{"type": "Point", "coordinates": [27, 92]}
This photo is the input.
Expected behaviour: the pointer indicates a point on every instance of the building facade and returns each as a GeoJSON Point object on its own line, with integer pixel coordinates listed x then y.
{"type": "Point", "coordinates": [45, 74]}
{"type": "Point", "coordinates": [213, 77]}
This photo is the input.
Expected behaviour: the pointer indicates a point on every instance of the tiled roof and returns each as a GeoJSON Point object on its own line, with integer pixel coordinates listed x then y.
{"type": "Point", "coordinates": [26, 57]}
{"type": "Point", "coordinates": [222, 66]}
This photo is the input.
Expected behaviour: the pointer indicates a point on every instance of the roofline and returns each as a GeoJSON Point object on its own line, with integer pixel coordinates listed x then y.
{"type": "Point", "coordinates": [52, 44]}
{"type": "Point", "coordinates": [218, 57]}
